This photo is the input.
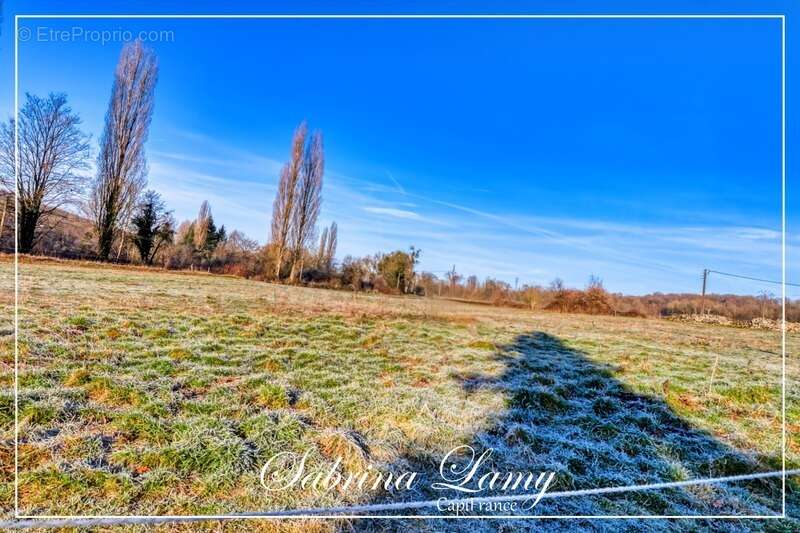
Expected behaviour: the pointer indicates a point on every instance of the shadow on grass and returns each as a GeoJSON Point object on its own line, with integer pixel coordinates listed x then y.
{"type": "Point", "coordinates": [567, 414]}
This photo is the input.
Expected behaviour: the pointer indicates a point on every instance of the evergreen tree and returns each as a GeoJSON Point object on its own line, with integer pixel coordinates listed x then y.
{"type": "Point", "coordinates": [152, 226]}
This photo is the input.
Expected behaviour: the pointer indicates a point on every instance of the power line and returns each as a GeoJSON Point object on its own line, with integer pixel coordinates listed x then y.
{"type": "Point", "coordinates": [753, 279]}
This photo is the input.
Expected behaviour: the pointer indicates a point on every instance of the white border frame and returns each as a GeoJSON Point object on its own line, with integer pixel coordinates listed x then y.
{"type": "Point", "coordinates": [780, 17]}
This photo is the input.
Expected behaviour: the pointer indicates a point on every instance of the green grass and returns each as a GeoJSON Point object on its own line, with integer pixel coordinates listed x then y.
{"type": "Point", "coordinates": [152, 393]}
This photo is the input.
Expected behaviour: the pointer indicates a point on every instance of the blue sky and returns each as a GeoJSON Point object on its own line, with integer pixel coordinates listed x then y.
{"type": "Point", "coordinates": [640, 151]}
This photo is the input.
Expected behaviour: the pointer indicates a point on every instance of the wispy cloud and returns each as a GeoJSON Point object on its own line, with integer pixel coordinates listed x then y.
{"type": "Point", "coordinates": [200, 149]}
{"type": "Point", "coordinates": [397, 213]}
{"type": "Point", "coordinates": [400, 188]}
{"type": "Point", "coordinates": [374, 215]}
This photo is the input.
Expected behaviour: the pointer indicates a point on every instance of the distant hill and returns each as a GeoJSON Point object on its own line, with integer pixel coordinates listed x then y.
{"type": "Point", "coordinates": [63, 233]}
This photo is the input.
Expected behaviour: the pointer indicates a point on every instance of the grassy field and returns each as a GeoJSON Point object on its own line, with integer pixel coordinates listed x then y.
{"type": "Point", "coordinates": [164, 393]}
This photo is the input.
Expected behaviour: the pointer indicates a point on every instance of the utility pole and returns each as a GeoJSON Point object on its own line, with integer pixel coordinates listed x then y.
{"type": "Point", "coordinates": [703, 297]}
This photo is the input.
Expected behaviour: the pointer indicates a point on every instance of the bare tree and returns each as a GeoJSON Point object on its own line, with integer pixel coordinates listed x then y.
{"type": "Point", "coordinates": [454, 278]}
{"type": "Point", "coordinates": [52, 151]}
{"type": "Point", "coordinates": [283, 207]}
{"type": "Point", "coordinates": [205, 235]}
{"type": "Point", "coordinates": [472, 284]}
{"type": "Point", "coordinates": [560, 295]}
{"type": "Point", "coordinates": [765, 300]}
{"type": "Point", "coordinates": [201, 226]}
{"type": "Point", "coordinates": [308, 202]}
{"type": "Point", "coordinates": [330, 251]}
{"type": "Point", "coordinates": [6, 199]}
{"type": "Point", "coordinates": [327, 248]}
{"type": "Point", "coordinates": [323, 249]}
{"type": "Point", "coordinates": [121, 165]}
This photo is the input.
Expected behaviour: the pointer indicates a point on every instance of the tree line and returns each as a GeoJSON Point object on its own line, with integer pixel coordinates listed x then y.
{"type": "Point", "coordinates": [593, 298]}
{"type": "Point", "coordinates": [123, 221]}
{"type": "Point", "coordinates": [120, 220]}
{"type": "Point", "coordinates": [53, 154]}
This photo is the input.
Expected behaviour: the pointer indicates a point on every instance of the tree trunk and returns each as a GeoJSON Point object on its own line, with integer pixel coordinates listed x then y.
{"type": "Point", "coordinates": [104, 243]}
{"type": "Point", "coordinates": [122, 239]}
{"type": "Point", "coordinates": [279, 263]}
{"type": "Point", "coordinates": [121, 244]}
{"type": "Point", "coordinates": [105, 238]}
{"type": "Point", "coordinates": [27, 229]}
{"type": "Point", "coordinates": [3, 218]}
{"type": "Point", "coordinates": [296, 272]}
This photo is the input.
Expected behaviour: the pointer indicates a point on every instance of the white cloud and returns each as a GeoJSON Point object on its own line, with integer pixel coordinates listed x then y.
{"type": "Point", "coordinates": [397, 213]}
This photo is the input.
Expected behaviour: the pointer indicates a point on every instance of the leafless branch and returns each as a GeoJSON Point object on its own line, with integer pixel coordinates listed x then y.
{"type": "Point", "coordinates": [121, 166]}
{"type": "Point", "coordinates": [52, 152]}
